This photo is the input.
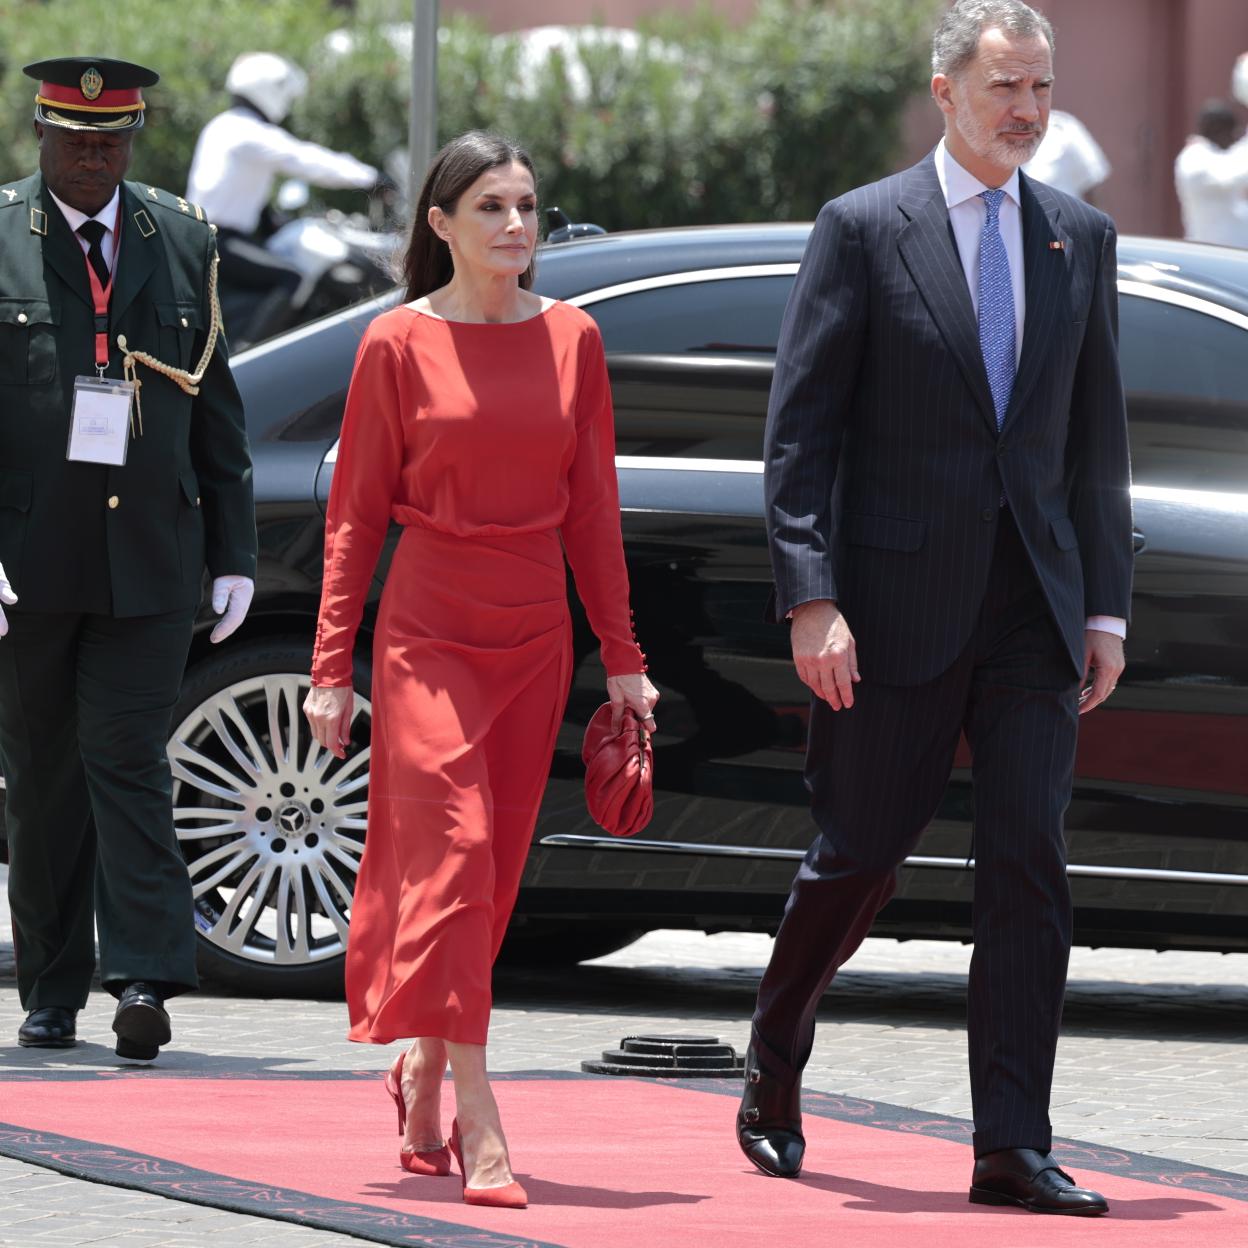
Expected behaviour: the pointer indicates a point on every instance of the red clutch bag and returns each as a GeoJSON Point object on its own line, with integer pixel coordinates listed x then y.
{"type": "Point", "coordinates": [619, 773]}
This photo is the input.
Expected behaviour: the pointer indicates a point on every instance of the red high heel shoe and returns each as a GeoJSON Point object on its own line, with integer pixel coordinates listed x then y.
{"type": "Point", "coordinates": [434, 1163]}
{"type": "Point", "coordinates": [509, 1196]}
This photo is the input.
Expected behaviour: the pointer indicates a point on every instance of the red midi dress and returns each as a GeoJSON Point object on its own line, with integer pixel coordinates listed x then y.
{"type": "Point", "coordinates": [488, 443]}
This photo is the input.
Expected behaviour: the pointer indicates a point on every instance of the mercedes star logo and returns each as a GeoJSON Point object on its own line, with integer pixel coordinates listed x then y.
{"type": "Point", "coordinates": [291, 819]}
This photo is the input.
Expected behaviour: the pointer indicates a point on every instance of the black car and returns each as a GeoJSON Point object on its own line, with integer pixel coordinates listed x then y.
{"type": "Point", "coordinates": [272, 828]}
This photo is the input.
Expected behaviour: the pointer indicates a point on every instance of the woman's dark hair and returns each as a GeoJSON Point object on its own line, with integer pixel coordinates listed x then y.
{"type": "Point", "coordinates": [427, 264]}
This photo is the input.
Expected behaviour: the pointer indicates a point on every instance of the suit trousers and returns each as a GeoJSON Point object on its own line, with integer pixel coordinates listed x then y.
{"type": "Point", "coordinates": [85, 709]}
{"type": "Point", "coordinates": [876, 774]}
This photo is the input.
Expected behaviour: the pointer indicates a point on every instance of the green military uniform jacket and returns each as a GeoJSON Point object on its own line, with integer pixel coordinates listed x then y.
{"type": "Point", "coordinates": [131, 540]}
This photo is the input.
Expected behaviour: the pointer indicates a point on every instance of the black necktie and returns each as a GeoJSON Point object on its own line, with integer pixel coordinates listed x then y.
{"type": "Point", "coordinates": [93, 232]}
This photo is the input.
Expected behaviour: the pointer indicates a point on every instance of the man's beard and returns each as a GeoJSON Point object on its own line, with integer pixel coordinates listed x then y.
{"type": "Point", "coordinates": [989, 145]}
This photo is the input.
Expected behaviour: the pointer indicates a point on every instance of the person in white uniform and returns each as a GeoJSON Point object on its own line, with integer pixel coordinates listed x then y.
{"type": "Point", "coordinates": [1211, 178]}
{"type": "Point", "coordinates": [1069, 158]}
{"type": "Point", "coordinates": [239, 155]}
{"type": "Point", "coordinates": [1239, 90]}
{"type": "Point", "coordinates": [1239, 79]}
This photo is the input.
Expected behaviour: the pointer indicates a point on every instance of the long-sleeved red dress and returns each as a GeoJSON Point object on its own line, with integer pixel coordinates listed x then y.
{"type": "Point", "coordinates": [488, 443]}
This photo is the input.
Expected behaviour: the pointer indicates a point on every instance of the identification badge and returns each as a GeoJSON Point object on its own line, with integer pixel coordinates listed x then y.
{"type": "Point", "coordinates": [99, 424]}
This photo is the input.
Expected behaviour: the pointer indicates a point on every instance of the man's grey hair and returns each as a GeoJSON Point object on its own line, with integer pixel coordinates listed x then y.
{"type": "Point", "coordinates": [956, 40]}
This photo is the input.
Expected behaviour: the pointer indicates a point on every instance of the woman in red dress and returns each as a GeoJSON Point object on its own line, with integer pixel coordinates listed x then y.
{"type": "Point", "coordinates": [479, 418]}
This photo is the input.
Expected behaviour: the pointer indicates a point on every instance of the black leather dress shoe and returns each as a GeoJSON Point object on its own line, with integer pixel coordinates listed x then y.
{"type": "Point", "coordinates": [769, 1122]}
{"type": "Point", "coordinates": [52, 1027]}
{"type": "Point", "coordinates": [141, 1023]}
{"type": "Point", "coordinates": [1023, 1176]}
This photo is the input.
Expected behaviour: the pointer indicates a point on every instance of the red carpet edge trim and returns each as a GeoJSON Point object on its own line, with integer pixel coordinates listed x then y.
{"type": "Point", "coordinates": [118, 1167]}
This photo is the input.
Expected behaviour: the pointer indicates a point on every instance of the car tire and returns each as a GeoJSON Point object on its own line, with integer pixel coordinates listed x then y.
{"type": "Point", "coordinates": [283, 827]}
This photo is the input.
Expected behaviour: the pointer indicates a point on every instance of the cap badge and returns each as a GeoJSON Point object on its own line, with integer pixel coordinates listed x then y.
{"type": "Point", "coordinates": [92, 83]}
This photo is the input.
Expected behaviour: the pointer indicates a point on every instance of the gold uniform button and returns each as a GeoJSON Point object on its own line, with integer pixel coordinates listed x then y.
{"type": "Point", "coordinates": [114, 502]}
{"type": "Point", "coordinates": [21, 318]}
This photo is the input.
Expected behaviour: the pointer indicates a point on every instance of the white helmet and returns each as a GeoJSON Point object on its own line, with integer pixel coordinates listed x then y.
{"type": "Point", "coordinates": [267, 81]}
{"type": "Point", "coordinates": [1239, 80]}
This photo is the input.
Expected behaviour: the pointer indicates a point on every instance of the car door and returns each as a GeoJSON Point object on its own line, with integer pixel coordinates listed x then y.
{"type": "Point", "coordinates": [691, 357]}
{"type": "Point", "coordinates": [1159, 819]}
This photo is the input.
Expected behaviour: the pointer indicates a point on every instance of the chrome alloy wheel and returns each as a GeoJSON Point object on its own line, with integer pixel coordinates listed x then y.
{"type": "Point", "coordinates": [271, 825]}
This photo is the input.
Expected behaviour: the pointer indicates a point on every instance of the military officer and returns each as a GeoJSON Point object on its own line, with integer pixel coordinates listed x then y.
{"type": "Point", "coordinates": [124, 474]}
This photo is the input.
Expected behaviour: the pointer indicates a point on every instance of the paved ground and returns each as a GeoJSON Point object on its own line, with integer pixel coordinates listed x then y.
{"type": "Point", "coordinates": [1154, 1056]}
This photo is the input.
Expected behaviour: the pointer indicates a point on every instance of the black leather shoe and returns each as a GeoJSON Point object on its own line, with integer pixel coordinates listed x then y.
{"type": "Point", "coordinates": [52, 1027]}
{"type": "Point", "coordinates": [769, 1122]}
{"type": "Point", "coordinates": [1023, 1176]}
{"type": "Point", "coordinates": [141, 1023]}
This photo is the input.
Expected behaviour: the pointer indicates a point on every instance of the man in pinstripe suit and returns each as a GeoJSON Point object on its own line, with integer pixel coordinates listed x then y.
{"type": "Point", "coordinates": [948, 503]}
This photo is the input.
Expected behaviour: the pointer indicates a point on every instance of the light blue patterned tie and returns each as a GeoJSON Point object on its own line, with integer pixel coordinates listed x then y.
{"type": "Point", "coordinates": [996, 307]}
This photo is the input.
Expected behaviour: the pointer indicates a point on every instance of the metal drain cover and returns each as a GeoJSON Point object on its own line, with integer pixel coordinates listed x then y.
{"type": "Point", "coordinates": [670, 1057]}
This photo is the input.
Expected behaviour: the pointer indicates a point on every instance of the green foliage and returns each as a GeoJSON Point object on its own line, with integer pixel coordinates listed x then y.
{"type": "Point", "coordinates": [190, 43]}
{"type": "Point", "coordinates": [693, 121]}
{"type": "Point", "coordinates": [696, 121]}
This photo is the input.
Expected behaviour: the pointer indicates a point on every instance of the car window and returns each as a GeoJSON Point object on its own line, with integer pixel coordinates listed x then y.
{"type": "Point", "coordinates": [1186, 377]}
{"type": "Point", "coordinates": [733, 316]}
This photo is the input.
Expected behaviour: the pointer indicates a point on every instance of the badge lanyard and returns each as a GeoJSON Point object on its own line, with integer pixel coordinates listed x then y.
{"type": "Point", "coordinates": [101, 297]}
{"type": "Point", "coordinates": [103, 411]}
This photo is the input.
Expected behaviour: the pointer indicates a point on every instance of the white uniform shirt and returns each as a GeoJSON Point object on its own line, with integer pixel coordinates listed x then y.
{"type": "Point", "coordinates": [967, 214]}
{"type": "Point", "coordinates": [1069, 158]}
{"type": "Point", "coordinates": [237, 157]}
{"type": "Point", "coordinates": [1212, 185]}
{"type": "Point", "coordinates": [110, 244]}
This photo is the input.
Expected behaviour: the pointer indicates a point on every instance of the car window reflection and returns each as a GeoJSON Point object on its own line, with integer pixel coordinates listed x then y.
{"type": "Point", "coordinates": [734, 316]}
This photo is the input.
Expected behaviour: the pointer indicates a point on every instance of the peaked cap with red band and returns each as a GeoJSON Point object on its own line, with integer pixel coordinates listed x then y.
{"type": "Point", "coordinates": [90, 93]}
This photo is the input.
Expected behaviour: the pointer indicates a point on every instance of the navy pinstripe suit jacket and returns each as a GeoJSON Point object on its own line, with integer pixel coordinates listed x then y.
{"type": "Point", "coordinates": [884, 470]}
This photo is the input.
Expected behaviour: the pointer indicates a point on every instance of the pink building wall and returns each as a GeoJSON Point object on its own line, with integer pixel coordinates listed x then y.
{"type": "Point", "coordinates": [1134, 71]}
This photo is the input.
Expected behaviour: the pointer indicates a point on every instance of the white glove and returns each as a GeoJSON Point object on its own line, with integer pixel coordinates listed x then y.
{"type": "Point", "coordinates": [8, 597]}
{"type": "Point", "coordinates": [235, 593]}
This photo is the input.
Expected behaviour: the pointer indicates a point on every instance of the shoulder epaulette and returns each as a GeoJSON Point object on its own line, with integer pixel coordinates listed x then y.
{"type": "Point", "coordinates": [170, 202]}
{"type": "Point", "coordinates": [10, 195]}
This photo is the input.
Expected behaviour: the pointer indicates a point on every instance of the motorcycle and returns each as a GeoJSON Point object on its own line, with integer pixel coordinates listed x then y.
{"type": "Point", "coordinates": [342, 258]}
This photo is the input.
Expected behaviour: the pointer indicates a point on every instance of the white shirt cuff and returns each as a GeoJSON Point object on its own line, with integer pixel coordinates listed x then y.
{"type": "Point", "coordinates": [1108, 624]}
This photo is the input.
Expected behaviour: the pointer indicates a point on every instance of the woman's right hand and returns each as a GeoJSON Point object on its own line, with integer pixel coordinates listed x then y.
{"type": "Point", "coordinates": [328, 712]}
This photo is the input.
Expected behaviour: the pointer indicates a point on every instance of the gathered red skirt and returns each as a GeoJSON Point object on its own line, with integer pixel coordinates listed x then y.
{"type": "Point", "coordinates": [472, 661]}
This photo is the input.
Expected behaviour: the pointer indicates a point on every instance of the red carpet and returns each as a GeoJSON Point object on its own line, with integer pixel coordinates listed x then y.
{"type": "Point", "coordinates": [608, 1163]}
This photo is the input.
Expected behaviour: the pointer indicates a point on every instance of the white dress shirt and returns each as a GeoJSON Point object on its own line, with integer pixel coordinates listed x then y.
{"type": "Point", "coordinates": [1212, 184]}
{"type": "Point", "coordinates": [238, 156]}
{"type": "Point", "coordinates": [967, 214]}
{"type": "Point", "coordinates": [110, 244]}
